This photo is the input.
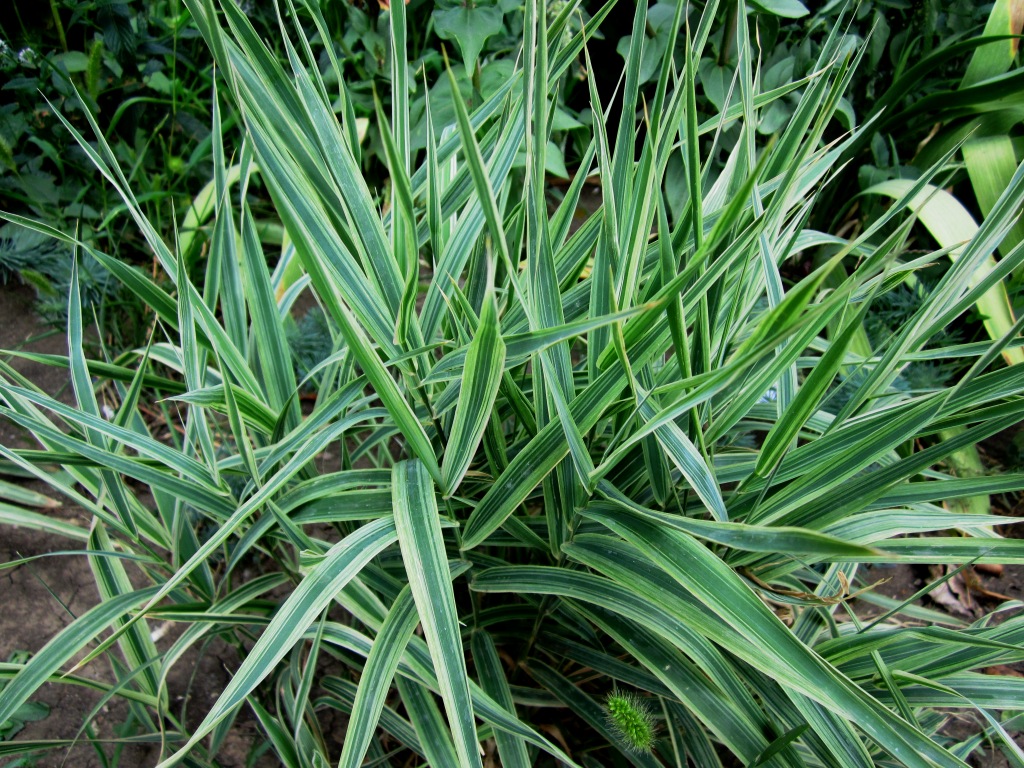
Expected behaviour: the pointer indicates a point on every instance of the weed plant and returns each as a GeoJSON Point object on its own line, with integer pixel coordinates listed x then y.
{"type": "Point", "coordinates": [574, 473]}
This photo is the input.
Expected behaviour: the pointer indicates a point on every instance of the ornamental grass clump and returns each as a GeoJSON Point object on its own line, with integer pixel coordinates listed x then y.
{"type": "Point", "coordinates": [540, 464]}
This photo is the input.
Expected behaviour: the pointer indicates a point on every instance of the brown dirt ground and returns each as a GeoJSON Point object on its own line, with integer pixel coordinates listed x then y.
{"type": "Point", "coordinates": [40, 598]}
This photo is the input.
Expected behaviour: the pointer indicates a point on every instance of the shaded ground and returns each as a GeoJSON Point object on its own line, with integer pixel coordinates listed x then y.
{"type": "Point", "coordinates": [43, 596]}
{"type": "Point", "coordinates": [40, 599]}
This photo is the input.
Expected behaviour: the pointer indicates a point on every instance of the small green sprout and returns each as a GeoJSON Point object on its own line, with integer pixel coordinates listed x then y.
{"type": "Point", "coordinates": [631, 719]}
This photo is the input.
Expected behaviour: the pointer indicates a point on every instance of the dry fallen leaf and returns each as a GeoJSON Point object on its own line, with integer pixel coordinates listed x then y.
{"type": "Point", "coordinates": [554, 732]}
{"type": "Point", "coordinates": [992, 569]}
{"type": "Point", "coordinates": [954, 594]}
{"type": "Point", "coordinates": [1002, 669]}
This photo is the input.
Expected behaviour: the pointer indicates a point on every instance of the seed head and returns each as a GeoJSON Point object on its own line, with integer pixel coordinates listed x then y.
{"type": "Point", "coordinates": [631, 719]}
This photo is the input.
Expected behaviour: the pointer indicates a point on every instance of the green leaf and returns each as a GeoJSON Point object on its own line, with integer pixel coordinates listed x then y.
{"type": "Point", "coordinates": [313, 594]}
{"type": "Point", "coordinates": [469, 25]}
{"type": "Point", "coordinates": [112, 581]}
{"type": "Point", "coordinates": [375, 679]}
{"type": "Point", "coordinates": [26, 496]}
{"type": "Point", "coordinates": [779, 744]}
{"type": "Point", "coordinates": [431, 731]}
{"type": "Point", "coordinates": [709, 580]}
{"type": "Point", "coordinates": [15, 516]}
{"type": "Point", "coordinates": [752, 538]}
{"type": "Point", "coordinates": [788, 9]}
{"type": "Point", "coordinates": [485, 361]}
{"type": "Point", "coordinates": [426, 567]}
{"type": "Point", "coordinates": [511, 748]}
{"type": "Point", "coordinates": [63, 646]}
{"type": "Point", "coordinates": [73, 61]}
{"type": "Point", "coordinates": [283, 744]}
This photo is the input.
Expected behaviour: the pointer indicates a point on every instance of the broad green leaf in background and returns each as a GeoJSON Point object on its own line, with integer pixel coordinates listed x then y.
{"type": "Point", "coordinates": [790, 9]}
{"type": "Point", "coordinates": [992, 159]}
{"type": "Point", "coordinates": [951, 225]}
{"type": "Point", "coordinates": [469, 24]}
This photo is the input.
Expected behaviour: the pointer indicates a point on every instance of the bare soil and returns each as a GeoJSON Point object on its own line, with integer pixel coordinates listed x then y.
{"type": "Point", "coordinates": [42, 597]}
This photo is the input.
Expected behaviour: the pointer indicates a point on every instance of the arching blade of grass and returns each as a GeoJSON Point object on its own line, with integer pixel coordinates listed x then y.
{"type": "Point", "coordinates": [66, 485]}
{"type": "Point", "coordinates": [426, 566]}
{"type": "Point", "coordinates": [485, 360]}
{"type": "Point", "coordinates": [511, 749]}
{"type": "Point", "coordinates": [739, 607]}
{"type": "Point", "coordinates": [24, 518]}
{"type": "Point", "coordinates": [943, 549]}
{"type": "Point", "coordinates": [344, 560]}
{"type": "Point", "coordinates": [431, 730]}
{"type": "Point", "coordinates": [139, 284]}
{"type": "Point", "coordinates": [9, 670]}
{"type": "Point", "coordinates": [86, 397]}
{"type": "Point", "coordinates": [223, 279]}
{"type": "Point", "coordinates": [112, 581]}
{"type": "Point", "coordinates": [64, 646]}
{"type": "Point", "coordinates": [376, 677]}
{"type": "Point", "coordinates": [778, 540]}
{"type": "Point", "coordinates": [193, 361]}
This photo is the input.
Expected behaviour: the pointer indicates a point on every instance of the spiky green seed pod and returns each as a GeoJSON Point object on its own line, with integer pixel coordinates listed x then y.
{"type": "Point", "coordinates": [631, 719]}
